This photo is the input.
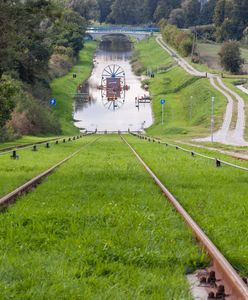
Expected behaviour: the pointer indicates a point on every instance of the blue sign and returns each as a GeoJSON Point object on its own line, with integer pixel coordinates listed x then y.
{"type": "Point", "coordinates": [162, 102]}
{"type": "Point", "coordinates": [52, 102]}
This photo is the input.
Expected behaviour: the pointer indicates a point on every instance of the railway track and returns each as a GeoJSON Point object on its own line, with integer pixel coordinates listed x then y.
{"type": "Point", "coordinates": [230, 284]}
{"type": "Point", "coordinates": [193, 153]}
{"type": "Point", "coordinates": [11, 197]}
{"type": "Point", "coordinates": [30, 145]}
{"type": "Point", "coordinates": [225, 281]}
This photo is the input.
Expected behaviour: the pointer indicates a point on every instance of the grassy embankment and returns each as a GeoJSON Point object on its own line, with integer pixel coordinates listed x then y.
{"type": "Point", "coordinates": [23, 141]}
{"type": "Point", "coordinates": [97, 228]}
{"type": "Point", "coordinates": [64, 88]}
{"type": "Point", "coordinates": [216, 198]}
{"type": "Point", "coordinates": [14, 173]}
{"type": "Point", "coordinates": [177, 87]}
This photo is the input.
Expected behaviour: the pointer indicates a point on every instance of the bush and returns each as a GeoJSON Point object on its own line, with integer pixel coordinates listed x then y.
{"type": "Point", "coordinates": [180, 40]}
{"type": "Point", "coordinates": [230, 56]}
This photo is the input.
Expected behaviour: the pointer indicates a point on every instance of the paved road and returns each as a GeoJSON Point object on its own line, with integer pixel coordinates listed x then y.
{"type": "Point", "coordinates": [225, 135]}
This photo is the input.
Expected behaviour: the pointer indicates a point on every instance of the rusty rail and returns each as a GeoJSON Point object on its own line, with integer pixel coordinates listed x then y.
{"type": "Point", "coordinates": [238, 288]}
{"type": "Point", "coordinates": [219, 162]}
{"type": "Point", "coordinates": [11, 197]}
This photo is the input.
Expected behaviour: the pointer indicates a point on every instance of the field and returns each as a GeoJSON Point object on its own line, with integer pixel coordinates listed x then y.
{"type": "Point", "coordinates": [185, 117]}
{"type": "Point", "coordinates": [97, 228]}
{"type": "Point", "coordinates": [64, 88]}
{"type": "Point", "coordinates": [210, 58]}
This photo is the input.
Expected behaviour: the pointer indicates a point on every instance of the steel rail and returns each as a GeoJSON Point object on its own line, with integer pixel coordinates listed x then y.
{"type": "Point", "coordinates": [11, 197]}
{"type": "Point", "coordinates": [195, 153]}
{"type": "Point", "coordinates": [235, 283]}
{"type": "Point", "coordinates": [30, 145]}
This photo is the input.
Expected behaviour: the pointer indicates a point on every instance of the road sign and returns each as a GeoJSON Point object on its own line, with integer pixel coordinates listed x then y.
{"type": "Point", "coordinates": [52, 102]}
{"type": "Point", "coordinates": [162, 101]}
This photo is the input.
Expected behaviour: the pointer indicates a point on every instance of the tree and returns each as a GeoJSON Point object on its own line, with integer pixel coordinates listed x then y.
{"type": "Point", "coordinates": [207, 12]}
{"type": "Point", "coordinates": [105, 9]}
{"type": "Point", "coordinates": [219, 13]}
{"type": "Point", "coordinates": [230, 56]}
{"type": "Point", "coordinates": [192, 10]}
{"type": "Point", "coordinates": [177, 17]}
{"type": "Point", "coordinates": [8, 89]}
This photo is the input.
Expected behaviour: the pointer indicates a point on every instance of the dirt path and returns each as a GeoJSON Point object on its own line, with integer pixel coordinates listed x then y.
{"type": "Point", "coordinates": [225, 134]}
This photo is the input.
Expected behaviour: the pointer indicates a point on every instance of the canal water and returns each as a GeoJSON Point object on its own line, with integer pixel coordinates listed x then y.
{"type": "Point", "coordinates": [99, 113]}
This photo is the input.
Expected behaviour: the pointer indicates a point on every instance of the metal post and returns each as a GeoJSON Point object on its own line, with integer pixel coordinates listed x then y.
{"type": "Point", "coordinates": [190, 108]}
{"type": "Point", "coordinates": [212, 121]}
{"type": "Point", "coordinates": [162, 114]}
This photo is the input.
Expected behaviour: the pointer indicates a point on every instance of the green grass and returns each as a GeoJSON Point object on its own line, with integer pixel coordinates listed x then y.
{"type": "Point", "coordinates": [210, 58]}
{"type": "Point", "coordinates": [14, 173]}
{"type": "Point", "coordinates": [216, 198]}
{"type": "Point", "coordinates": [63, 88]}
{"type": "Point", "coordinates": [97, 228]}
{"type": "Point", "coordinates": [24, 140]}
{"type": "Point", "coordinates": [177, 87]}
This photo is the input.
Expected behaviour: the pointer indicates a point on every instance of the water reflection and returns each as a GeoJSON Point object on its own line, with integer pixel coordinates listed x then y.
{"type": "Point", "coordinates": [92, 113]}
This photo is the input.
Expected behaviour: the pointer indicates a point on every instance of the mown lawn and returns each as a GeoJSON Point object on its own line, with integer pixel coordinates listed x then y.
{"type": "Point", "coordinates": [14, 173]}
{"type": "Point", "coordinates": [98, 228]}
{"type": "Point", "coordinates": [64, 88]}
{"type": "Point", "coordinates": [216, 198]}
{"type": "Point", "coordinates": [185, 117]}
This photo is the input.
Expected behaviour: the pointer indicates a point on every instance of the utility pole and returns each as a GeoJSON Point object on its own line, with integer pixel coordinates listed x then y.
{"type": "Point", "coordinates": [212, 121]}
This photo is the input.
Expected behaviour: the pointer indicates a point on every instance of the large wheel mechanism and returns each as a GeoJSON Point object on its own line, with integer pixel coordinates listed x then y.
{"type": "Point", "coordinates": [113, 87]}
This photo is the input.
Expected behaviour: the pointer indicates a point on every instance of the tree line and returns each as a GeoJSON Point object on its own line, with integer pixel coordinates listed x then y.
{"type": "Point", "coordinates": [229, 18]}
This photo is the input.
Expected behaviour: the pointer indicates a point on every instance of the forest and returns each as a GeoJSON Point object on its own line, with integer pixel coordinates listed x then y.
{"type": "Point", "coordinates": [41, 39]}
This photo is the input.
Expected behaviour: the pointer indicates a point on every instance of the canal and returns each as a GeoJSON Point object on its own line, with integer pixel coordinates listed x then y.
{"type": "Point", "coordinates": [99, 113]}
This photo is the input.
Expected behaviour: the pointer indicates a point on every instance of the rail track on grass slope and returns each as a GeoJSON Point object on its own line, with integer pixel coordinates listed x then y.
{"type": "Point", "coordinates": [217, 161]}
{"type": "Point", "coordinates": [30, 145]}
{"type": "Point", "coordinates": [231, 284]}
{"type": "Point", "coordinates": [34, 182]}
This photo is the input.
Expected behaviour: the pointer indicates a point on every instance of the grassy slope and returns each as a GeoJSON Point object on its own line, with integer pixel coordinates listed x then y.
{"type": "Point", "coordinates": [63, 88]}
{"type": "Point", "coordinates": [98, 228]}
{"type": "Point", "coordinates": [14, 173]}
{"type": "Point", "coordinates": [23, 141]}
{"type": "Point", "coordinates": [176, 86]}
{"type": "Point", "coordinates": [215, 197]}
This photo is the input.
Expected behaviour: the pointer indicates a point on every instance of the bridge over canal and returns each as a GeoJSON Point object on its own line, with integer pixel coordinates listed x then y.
{"type": "Point", "coordinates": [139, 32]}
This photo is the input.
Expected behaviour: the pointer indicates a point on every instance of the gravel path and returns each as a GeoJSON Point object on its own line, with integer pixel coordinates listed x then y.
{"type": "Point", "coordinates": [225, 134]}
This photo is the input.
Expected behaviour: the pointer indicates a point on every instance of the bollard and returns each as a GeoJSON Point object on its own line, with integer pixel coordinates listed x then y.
{"type": "Point", "coordinates": [166, 145]}
{"type": "Point", "coordinates": [69, 139]}
{"type": "Point", "coordinates": [14, 155]}
{"type": "Point", "coordinates": [119, 132]}
{"type": "Point", "coordinates": [34, 148]}
{"type": "Point", "coordinates": [56, 143]}
{"type": "Point", "coordinates": [218, 163]}
{"type": "Point", "coordinates": [47, 145]}
{"type": "Point", "coordinates": [63, 140]}
{"type": "Point", "coordinates": [105, 132]}
{"type": "Point", "coordinates": [192, 153]}
{"type": "Point", "coordinates": [177, 148]}
{"type": "Point", "coordinates": [77, 137]}
{"type": "Point", "coordinates": [74, 138]}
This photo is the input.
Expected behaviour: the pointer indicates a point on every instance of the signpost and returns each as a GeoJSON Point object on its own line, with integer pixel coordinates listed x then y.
{"type": "Point", "coordinates": [212, 121]}
{"type": "Point", "coordinates": [162, 102]}
{"type": "Point", "coordinates": [52, 102]}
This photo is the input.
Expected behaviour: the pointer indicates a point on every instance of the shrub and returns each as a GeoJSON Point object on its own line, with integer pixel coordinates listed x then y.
{"type": "Point", "coordinates": [230, 56]}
